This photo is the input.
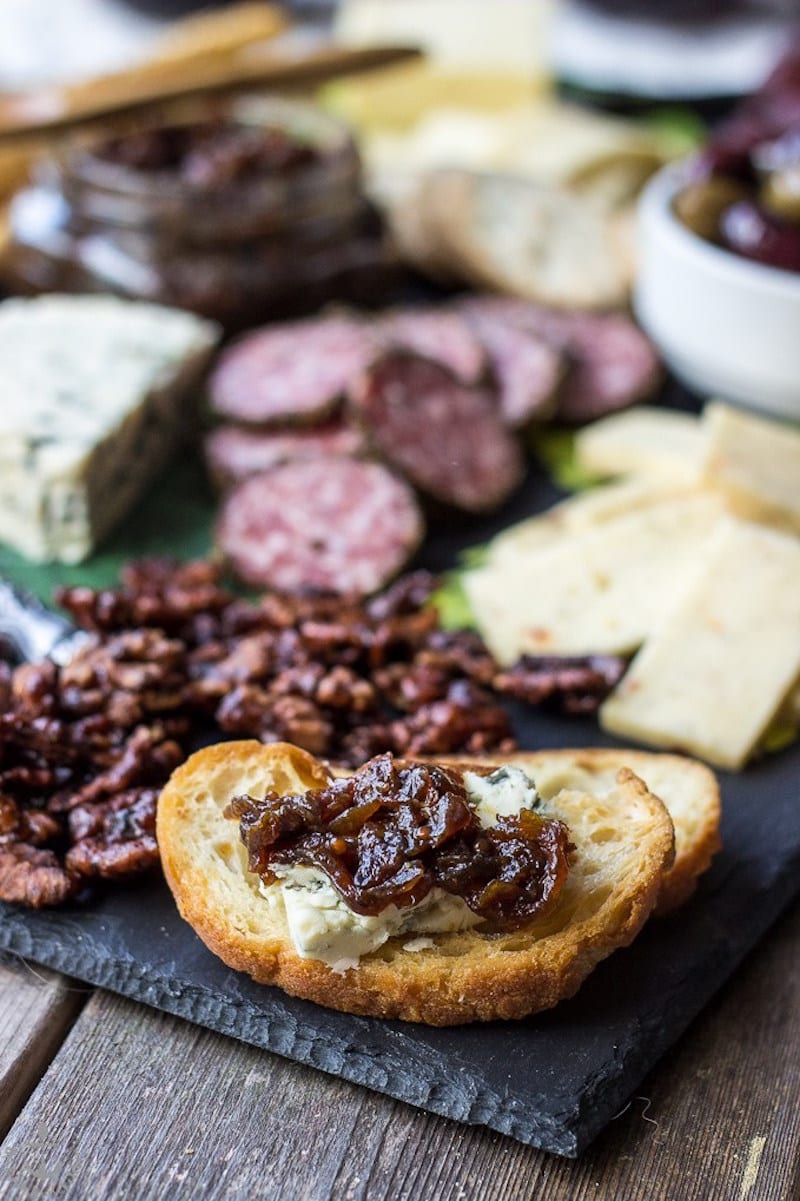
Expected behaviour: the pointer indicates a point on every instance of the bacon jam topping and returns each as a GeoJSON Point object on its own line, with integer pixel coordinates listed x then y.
{"type": "Point", "coordinates": [393, 831]}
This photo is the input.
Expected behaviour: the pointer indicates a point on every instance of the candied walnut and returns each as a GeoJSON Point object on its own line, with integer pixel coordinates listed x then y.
{"type": "Point", "coordinates": [334, 641]}
{"type": "Point", "coordinates": [297, 719]}
{"type": "Point", "coordinates": [39, 827]}
{"type": "Point", "coordinates": [468, 718]}
{"type": "Point", "coordinates": [112, 861]}
{"type": "Point", "coordinates": [155, 592]}
{"type": "Point", "coordinates": [284, 717]}
{"type": "Point", "coordinates": [341, 688]}
{"type": "Point", "coordinates": [129, 814]}
{"type": "Point", "coordinates": [33, 826]}
{"type": "Point", "coordinates": [32, 782]}
{"type": "Point", "coordinates": [407, 686]}
{"type": "Point", "coordinates": [391, 832]}
{"type": "Point", "coordinates": [34, 688]}
{"type": "Point", "coordinates": [145, 757]}
{"type": "Point", "coordinates": [34, 877]}
{"type": "Point", "coordinates": [135, 660]}
{"type": "Point", "coordinates": [298, 681]}
{"type": "Point", "coordinates": [399, 637]}
{"type": "Point", "coordinates": [245, 710]}
{"type": "Point", "coordinates": [462, 652]}
{"type": "Point", "coordinates": [160, 572]}
{"type": "Point", "coordinates": [251, 659]}
{"type": "Point", "coordinates": [404, 596]}
{"type": "Point", "coordinates": [577, 684]}
{"type": "Point", "coordinates": [114, 839]}
{"type": "Point", "coordinates": [9, 816]}
{"type": "Point", "coordinates": [363, 742]}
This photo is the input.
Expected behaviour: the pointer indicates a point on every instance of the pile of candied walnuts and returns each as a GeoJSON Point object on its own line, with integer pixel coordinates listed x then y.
{"type": "Point", "coordinates": [175, 660]}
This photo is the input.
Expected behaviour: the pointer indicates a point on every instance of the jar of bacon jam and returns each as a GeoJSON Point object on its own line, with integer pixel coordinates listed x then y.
{"type": "Point", "coordinates": [239, 210]}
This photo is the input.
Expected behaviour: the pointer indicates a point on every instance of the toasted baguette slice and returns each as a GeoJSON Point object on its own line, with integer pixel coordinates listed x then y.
{"type": "Point", "coordinates": [525, 238]}
{"type": "Point", "coordinates": [624, 845]}
{"type": "Point", "coordinates": [688, 789]}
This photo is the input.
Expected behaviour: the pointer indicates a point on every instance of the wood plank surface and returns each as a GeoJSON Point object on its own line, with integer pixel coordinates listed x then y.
{"type": "Point", "coordinates": [140, 1105]}
{"type": "Point", "coordinates": [37, 1008]}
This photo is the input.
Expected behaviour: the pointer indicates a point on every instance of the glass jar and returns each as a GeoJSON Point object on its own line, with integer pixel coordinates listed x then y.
{"type": "Point", "coordinates": [231, 209]}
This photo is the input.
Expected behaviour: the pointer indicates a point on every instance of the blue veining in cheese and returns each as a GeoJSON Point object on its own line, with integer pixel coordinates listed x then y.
{"type": "Point", "coordinates": [90, 411]}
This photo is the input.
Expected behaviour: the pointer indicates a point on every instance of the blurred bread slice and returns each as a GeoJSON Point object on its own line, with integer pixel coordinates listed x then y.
{"type": "Point", "coordinates": [524, 238]}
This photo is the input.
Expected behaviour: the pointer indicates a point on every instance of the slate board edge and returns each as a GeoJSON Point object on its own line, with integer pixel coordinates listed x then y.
{"type": "Point", "coordinates": [566, 1136]}
{"type": "Point", "coordinates": [385, 1074]}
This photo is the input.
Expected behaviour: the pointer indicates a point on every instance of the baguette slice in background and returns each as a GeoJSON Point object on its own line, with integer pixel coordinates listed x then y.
{"type": "Point", "coordinates": [624, 843]}
{"type": "Point", "coordinates": [520, 237]}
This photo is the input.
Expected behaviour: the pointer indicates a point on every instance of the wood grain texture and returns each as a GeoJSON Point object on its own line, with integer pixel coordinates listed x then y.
{"type": "Point", "coordinates": [155, 1108]}
{"type": "Point", "coordinates": [37, 1007]}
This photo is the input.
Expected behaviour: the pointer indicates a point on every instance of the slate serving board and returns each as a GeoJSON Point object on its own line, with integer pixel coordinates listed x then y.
{"type": "Point", "coordinates": [552, 1081]}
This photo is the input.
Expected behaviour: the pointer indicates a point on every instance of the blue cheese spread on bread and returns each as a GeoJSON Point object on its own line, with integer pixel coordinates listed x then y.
{"type": "Point", "coordinates": [92, 407]}
{"type": "Point", "coordinates": [324, 927]}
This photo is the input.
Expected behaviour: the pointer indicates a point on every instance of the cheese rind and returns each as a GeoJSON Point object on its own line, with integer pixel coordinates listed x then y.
{"type": "Point", "coordinates": [91, 410]}
{"type": "Point", "coordinates": [711, 679]}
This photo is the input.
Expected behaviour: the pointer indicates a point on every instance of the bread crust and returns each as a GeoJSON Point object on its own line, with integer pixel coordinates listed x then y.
{"type": "Point", "coordinates": [625, 845]}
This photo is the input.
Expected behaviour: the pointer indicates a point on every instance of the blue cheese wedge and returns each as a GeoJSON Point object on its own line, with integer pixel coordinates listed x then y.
{"type": "Point", "coordinates": [324, 927]}
{"type": "Point", "coordinates": [93, 391]}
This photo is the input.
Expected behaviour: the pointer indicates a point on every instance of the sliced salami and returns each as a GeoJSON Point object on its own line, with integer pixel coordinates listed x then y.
{"type": "Point", "coordinates": [439, 334]}
{"type": "Point", "coordinates": [330, 524]}
{"type": "Point", "coordinates": [612, 362]}
{"type": "Point", "coordinates": [292, 373]}
{"type": "Point", "coordinates": [527, 370]}
{"type": "Point", "coordinates": [446, 438]}
{"type": "Point", "coordinates": [234, 453]}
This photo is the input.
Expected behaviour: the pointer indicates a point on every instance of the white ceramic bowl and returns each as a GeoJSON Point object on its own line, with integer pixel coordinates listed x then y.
{"type": "Point", "coordinates": [727, 327]}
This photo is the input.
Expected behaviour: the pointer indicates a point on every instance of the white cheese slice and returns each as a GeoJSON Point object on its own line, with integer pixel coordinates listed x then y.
{"type": "Point", "coordinates": [324, 927]}
{"type": "Point", "coordinates": [710, 680]}
{"type": "Point", "coordinates": [91, 409]}
{"type": "Point", "coordinates": [581, 511]}
{"type": "Point", "coordinates": [755, 462]}
{"type": "Point", "coordinates": [599, 590]}
{"type": "Point", "coordinates": [644, 441]}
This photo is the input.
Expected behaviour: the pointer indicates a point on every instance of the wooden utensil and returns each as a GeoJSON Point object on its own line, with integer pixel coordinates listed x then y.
{"type": "Point", "coordinates": [53, 109]}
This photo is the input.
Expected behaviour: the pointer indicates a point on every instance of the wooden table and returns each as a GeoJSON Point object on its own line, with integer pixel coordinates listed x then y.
{"type": "Point", "coordinates": [102, 1098]}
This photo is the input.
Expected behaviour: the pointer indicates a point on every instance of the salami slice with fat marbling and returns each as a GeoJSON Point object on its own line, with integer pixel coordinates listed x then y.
{"type": "Point", "coordinates": [294, 373]}
{"type": "Point", "coordinates": [612, 363]}
{"type": "Point", "coordinates": [234, 452]}
{"type": "Point", "coordinates": [329, 524]}
{"type": "Point", "coordinates": [527, 370]}
{"type": "Point", "coordinates": [445, 437]}
{"type": "Point", "coordinates": [439, 334]}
